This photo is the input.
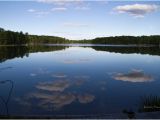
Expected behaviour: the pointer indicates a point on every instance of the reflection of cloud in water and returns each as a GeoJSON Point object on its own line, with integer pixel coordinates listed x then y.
{"type": "Point", "coordinates": [82, 60]}
{"type": "Point", "coordinates": [58, 85]}
{"type": "Point", "coordinates": [82, 77]}
{"type": "Point", "coordinates": [79, 82]}
{"type": "Point", "coordinates": [52, 95]}
{"type": "Point", "coordinates": [103, 82]}
{"type": "Point", "coordinates": [61, 99]}
{"type": "Point", "coordinates": [133, 76]}
{"type": "Point", "coordinates": [23, 102]}
{"type": "Point", "coordinates": [111, 73]}
{"type": "Point", "coordinates": [33, 74]}
{"type": "Point", "coordinates": [69, 62]}
{"type": "Point", "coordinates": [86, 98]}
{"type": "Point", "coordinates": [58, 99]}
{"type": "Point", "coordinates": [55, 101]}
{"type": "Point", "coordinates": [59, 75]}
{"type": "Point", "coordinates": [40, 71]}
{"type": "Point", "coordinates": [103, 88]}
{"type": "Point", "coordinates": [5, 68]}
{"type": "Point", "coordinates": [43, 71]}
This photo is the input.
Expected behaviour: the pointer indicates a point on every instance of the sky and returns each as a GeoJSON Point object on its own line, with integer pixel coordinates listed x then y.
{"type": "Point", "coordinates": [81, 19]}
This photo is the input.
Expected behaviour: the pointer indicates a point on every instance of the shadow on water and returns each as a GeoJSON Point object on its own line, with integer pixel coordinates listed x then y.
{"type": "Point", "coordinates": [5, 102]}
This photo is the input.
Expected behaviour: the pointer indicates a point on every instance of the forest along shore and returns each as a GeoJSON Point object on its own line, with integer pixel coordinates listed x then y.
{"type": "Point", "coordinates": [11, 38]}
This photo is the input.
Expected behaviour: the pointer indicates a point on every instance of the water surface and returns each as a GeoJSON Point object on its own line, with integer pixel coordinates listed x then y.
{"type": "Point", "coordinates": [76, 80]}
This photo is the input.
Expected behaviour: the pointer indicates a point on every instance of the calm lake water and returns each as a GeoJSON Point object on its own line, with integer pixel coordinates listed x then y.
{"type": "Point", "coordinates": [76, 80]}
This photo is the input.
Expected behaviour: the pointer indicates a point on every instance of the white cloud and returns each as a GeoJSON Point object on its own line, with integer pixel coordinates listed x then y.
{"type": "Point", "coordinates": [82, 8]}
{"type": "Point", "coordinates": [61, 2]}
{"type": "Point", "coordinates": [137, 10]}
{"type": "Point", "coordinates": [41, 13]}
{"type": "Point", "coordinates": [78, 36]}
{"type": "Point", "coordinates": [38, 12]}
{"type": "Point", "coordinates": [31, 10]}
{"type": "Point", "coordinates": [59, 9]}
{"type": "Point", "coordinates": [71, 24]}
{"type": "Point", "coordinates": [63, 5]}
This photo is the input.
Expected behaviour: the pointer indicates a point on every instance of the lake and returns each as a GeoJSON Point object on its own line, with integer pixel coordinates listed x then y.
{"type": "Point", "coordinates": [77, 80]}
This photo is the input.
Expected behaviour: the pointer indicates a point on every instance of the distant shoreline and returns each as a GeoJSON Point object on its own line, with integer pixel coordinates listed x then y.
{"type": "Point", "coordinates": [12, 38]}
{"type": "Point", "coordinates": [84, 44]}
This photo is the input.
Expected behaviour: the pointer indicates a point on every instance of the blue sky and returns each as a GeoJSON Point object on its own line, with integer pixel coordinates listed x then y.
{"type": "Point", "coordinates": [79, 19]}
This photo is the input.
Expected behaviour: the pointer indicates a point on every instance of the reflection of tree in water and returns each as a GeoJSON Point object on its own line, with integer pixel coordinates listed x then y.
{"type": "Point", "coordinates": [5, 68]}
{"type": "Point", "coordinates": [45, 48]}
{"type": "Point", "coordinates": [7, 53]}
{"type": "Point", "coordinates": [130, 114]}
{"type": "Point", "coordinates": [129, 50]}
{"type": "Point", "coordinates": [5, 102]}
{"type": "Point", "coordinates": [148, 107]}
{"type": "Point", "coordinates": [149, 103]}
{"type": "Point", "coordinates": [11, 52]}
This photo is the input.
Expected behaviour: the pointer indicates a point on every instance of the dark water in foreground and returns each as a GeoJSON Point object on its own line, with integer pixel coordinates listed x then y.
{"type": "Point", "coordinates": [63, 80]}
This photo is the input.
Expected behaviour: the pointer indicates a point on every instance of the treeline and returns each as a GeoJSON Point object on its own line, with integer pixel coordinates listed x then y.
{"type": "Point", "coordinates": [12, 38]}
{"type": "Point", "coordinates": [85, 41]}
{"type": "Point", "coordinates": [128, 40]}
{"type": "Point", "coordinates": [8, 37]}
{"type": "Point", "coordinates": [20, 38]}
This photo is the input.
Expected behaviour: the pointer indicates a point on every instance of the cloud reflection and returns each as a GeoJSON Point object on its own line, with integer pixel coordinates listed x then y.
{"type": "Point", "coordinates": [5, 68]}
{"type": "Point", "coordinates": [40, 71]}
{"type": "Point", "coordinates": [84, 59]}
{"type": "Point", "coordinates": [51, 95]}
{"type": "Point", "coordinates": [43, 71]}
{"type": "Point", "coordinates": [79, 82]}
{"type": "Point", "coordinates": [82, 77]}
{"type": "Point", "coordinates": [86, 98]}
{"type": "Point", "coordinates": [58, 85]}
{"type": "Point", "coordinates": [133, 76]}
{"type": "Point", "coordinates": [69, 61]}
{"type": "Point", "coordinates": [33, 74]}
{"type": "Point", "coordinates": [81, 60]}
{"type": "Point", "coordinates": [59, 75]}
{"type": "Point", "coordinates": [58, 99]}
{"type": "Point", "coordinates": [23, 102]}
